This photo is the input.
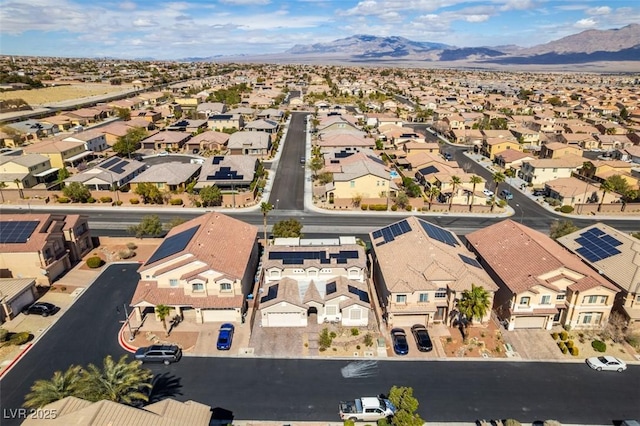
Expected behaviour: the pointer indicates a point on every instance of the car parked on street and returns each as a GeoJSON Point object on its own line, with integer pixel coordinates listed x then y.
{"type": "Point", "coordinates": [159, 353]}
{"type": "Point", "coordinates": [225, 337]}
{"type": "Point", "coordinates": [423, 340]}
{"type": "Point", "coordinates": [506, 194]}
{"type": "Point", "coordinates": [606, 363]}
{"type": "Point", "coordinates": [487, 192]}
{"type": "Point", "coordinates": [41, 308]}
{"type": "Point", "coordinates": [399, 339]}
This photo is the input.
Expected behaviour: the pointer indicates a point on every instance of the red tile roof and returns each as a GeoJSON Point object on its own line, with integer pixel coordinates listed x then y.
{"type": "Point", "coordinates": [148, 291]}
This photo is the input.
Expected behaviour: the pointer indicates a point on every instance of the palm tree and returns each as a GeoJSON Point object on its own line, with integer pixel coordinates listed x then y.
{"type": "Point", "coordinates": [18, 182]}
{"type": "Point", "coordinates": [475, 179]}
{"type": "Point", "coordinates": [2, 186]}
{"type": "Point", "coordinates": [474, 303]}
{"type": "Point", "coordinates": [605, 187]}
{"type": "Point", "coordinates": [433, 191]}
{"type": "Point", "coordinates": [60, 386]}
{"type": "Point", "coordinates": [587, 169]}
{"type": "Point", "coordinates": [162, 311]}
{"type": "Point", "coordinates": [498, 178]}
{"type": "Point", "coordinates": [122, 381]}
{"type": "Point", "coordinates": [455, 182]}
{"type": "Point", "coordinates": [265, 208]}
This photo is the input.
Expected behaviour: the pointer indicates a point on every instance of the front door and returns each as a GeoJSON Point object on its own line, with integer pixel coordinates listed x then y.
{"type": "Point", "coordinates": [441, 313]}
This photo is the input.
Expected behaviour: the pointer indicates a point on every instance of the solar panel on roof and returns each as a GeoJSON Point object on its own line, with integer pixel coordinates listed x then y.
{"type": "Point", "coordinates": [172, 245]}
{"type": "Point", "coordinates": [17, 231]}
{"type": "Point", "coordinates": [428, 170]}
{"type": "Point", "coordinates": [597, 245]}
{"type": "Point", "coordinates": [377, 234]}
{"type": "Point", "coordinates": [119, 167]}
{"type": "Point", "coordinates": [331, 287]}
{"type": "Point", "coordinates": [271, 294]}
{"type": "Point", "coordinates": [362, 295]}
{"type": "Point", "coordinates": [469, 261]}
{"type": "Point", "coordinates": [110, 162]}
{"type": "Point", "coordinates": [217, 160]}
{"type": "Point", "coordinates": [438, 234]}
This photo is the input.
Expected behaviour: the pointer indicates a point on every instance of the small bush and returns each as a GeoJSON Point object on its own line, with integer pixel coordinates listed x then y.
{"type": "Point", "coordinates": [132, 246]}
{"type": "Point", "coordinates": [512, 422]}
{"type": "Point", "coordinates": [118, 203]}
{"type": "Point", "coordinates": [564, 349]}
{"type": "Point", "coordinates": [20, 338]}
{"type": "Point", "coordinates": [358, 347]}
{"type": "Point", "coordinates": [566, 209]}
{"type": "Point", "coordinates": [355, 331]}
{"type": "Point", "coordinates": [63, 200]}
{"type": "Point", "coordinates": [324, 340]}
{"type": "Point", "coordinates": [176, 201]}
{"type": "Point", "coordinates": [106, 199]}
{"type": "Point", "coordinates": [4, 334]}
{"type": "Point", "coordinates": [134, 201]}
{"type": "Point", "coordinates": [126, 254]}
{"type": "Point", "coordinates": [322, 349]}
{"type": "Point", "coordinates": [394, 208]}
{"type": "Point", "coordinates": [569, 344]}
{"type": "Point", "coordinates": [409, 208]}
{"type": "Point", "coordinates": [378, 207]}
{"type": "Point", "coordinates": [599, 346]}
{"type": "Point", "coordinates": [333, 334]}
{"type": "Point", "coordinates": [633, 340]}
{"type": "Point", "coordinates": [368, 340]}
{"type": "Point", "coordinates": [575, 351]}
{"type": "Point", "coordinates": [562, 346]}
{"type": "Point", "coordinates": [555, 335]}
{"type": "Point", "coordinates": [198, 204]}
{"type": "Point", "coordinates": [94, 262]}
{"type": "Point", "coordinates": [91, 200]}
{"type": "Point", "coordinates": [349, 423]}
{"type": "Point", "coordinates": [364, 206]}
{"type": "Point", "coordinates": [566, 327]}
{"type": "Point", "coordinates": [564, 335]}
{"type": "Point", "coordinates": [63, 288]}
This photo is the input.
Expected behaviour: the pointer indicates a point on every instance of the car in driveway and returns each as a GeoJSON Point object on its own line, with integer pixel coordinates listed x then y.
{"type": "Point", "coordinates": [159, 353]}
{"type": "Point", "coordinates": [399, 340]}
{"type": "Point", "coordinates": [423, 340]}
{"type": "Point", "coordinates": [225, 337]}
{"type": "Point", "coordinates": [606, 363]}
{"type": "Point", "coordinates": [41, 308]}
{"type": "Point", "coordinates": [538, 192]}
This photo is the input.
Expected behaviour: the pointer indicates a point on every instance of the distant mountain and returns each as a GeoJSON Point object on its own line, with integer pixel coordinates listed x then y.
{"type": "Point", "coordinates": [368, 46]}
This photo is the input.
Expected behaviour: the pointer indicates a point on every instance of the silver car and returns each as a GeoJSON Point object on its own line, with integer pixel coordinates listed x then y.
{"type": "Point", "coordinates": [607, 363]}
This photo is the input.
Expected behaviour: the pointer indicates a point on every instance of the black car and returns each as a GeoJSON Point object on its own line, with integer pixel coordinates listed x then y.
{"type": "Point", "coordinates": [159, 353]}
{"type": "Point", "coordinates": [41, 308]}
{"type": "Point", "coordinates": [538, 192]}
{"type": "Point", "coordinates": [423, 341]}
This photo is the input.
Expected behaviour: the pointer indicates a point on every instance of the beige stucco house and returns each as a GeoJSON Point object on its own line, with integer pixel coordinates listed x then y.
{"type": "Point", "coordinates": [538, 172]}
{"type": "Point", "coordinates": [29, 170]}
{"type": "Point", "coordinates": [364, 178]}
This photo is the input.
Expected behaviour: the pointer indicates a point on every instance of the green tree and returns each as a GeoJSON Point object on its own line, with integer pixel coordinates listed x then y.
{"type": "Point", "coordinates": [402, 200]}
{"type": "Point", "coordinates": [474, 303]}
{"type": "Point", "coordinates": [162, 311]}
{"type": "Point", "coordinates": [560, 228]}
{"type": "Point", "coordinates": [432, 192]}
{"type": "Point", "coordinates": [149, 226]}
{"type": "Point", "coordinates": [61, 385]}
{"type": "Point", "coordinates": [211, 196]}
{"type": "Point", "coordinates": [2, 186]}
{"type": "Point", "coordinates": [406, 406]}
{"type": "Point", "coordinates": [498, 178]}
{"type": "Point", "coordinates": [265, 208]}
{"type": "Point", "coordinates": [604, 187]}
{"type": "Point", "coordinates": [174, 222]}
{"type": "Point", "coordinates": [411, 188]}
{"type": "Point", "coordinates": [455, 183]}
{"type": "Point", "coordinates": [123, 382]}
{"type": "Point", "coordinates": [63, 173]}
{"type": "Point", "coordinates": [475, 179]}
{"type": "Point", "coordinates": [76, 192]}
{"type": "Point", "coordinates": [315, 165]}
{"type": "Point", "coordinates": [123, 114]}
{"type": "Point", "coordinates": [18, 182]}
{"type": "Point", "coordinates": [619, 184]}
{"type": "Point", "coordinates": [289, 228]}
{"type": "Point", "coordinates": [130, 142]}
{"type": "Point", "coordinates": [149, 193]}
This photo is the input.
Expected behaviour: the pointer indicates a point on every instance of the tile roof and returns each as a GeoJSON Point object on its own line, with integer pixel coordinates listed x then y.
{"type": "Point", "coordinates": [149, 292]}
{"type": "Point", "coordinates": [173, 173]}
{"type": "Point", "coordinates": [300, 293]}
{"type": "Point", "coordinates": [48, 224]}
{"type": "Point", "coordinates": [519, 255]}
{"type": "Point", "coordinates": [359, 262]}
{"type": "Point", "coordinates": [252, 139]}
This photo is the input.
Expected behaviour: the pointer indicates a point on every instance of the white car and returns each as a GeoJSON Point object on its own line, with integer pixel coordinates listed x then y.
{"type": "Point", "coordinates": [487, 192]}
{"type": "Point", "coordinates": [608, 363]}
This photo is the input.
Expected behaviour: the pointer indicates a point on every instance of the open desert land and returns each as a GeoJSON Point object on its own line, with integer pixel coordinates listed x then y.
{"type": "Point", "coordinates": [64, 92]}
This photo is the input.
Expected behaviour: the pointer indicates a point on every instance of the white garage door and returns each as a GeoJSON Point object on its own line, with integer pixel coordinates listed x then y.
{"type": "Point", "coordinates": [218, 315]}
{"type": "Point", "coordinates": [26, 298]}
{"type": "Point", "coordinates": [529, 322]}
{"type": "Point", "coordinates": [409, 320]}
{"type": "Point", "coordinates": [283, 319]}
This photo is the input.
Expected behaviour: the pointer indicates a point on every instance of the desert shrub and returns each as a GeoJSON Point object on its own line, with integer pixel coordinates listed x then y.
{"type": "Point", "coordinates": [567, 327]}
{"type": "Point", "coordinates": [368, 340]}
{"type": "Point", "coordinates": [4, 334]}
{"type": "Point", "coordinates": [118, 203]}
{"type": "Point", "coordinates": [449, 339]}
{"type": "Point", "coordinates": [198, 204]}
{"type": "Point", "coordinates": [408, 208]}
{"type": "Point", "coordinates": [91, 200]}
{"type": "Point", "coordinates": [562, 346]}
{"type": "Point", "coordinates": [358, 347]}
{"type": "Point", "coordinates": [564, 350]}
{"type": "Point", "coordinates": [324, 340]}
{"type": "Point", "coordinates": [175, 201]}
{"type": "Point", "coordinates": [555, 336]}
{"type": "Point", "coordinates": [575, 351]}
{"type": "Point", "coordinates": [566, 209]}
{"type": "Point", "coordinates": [349, 423]}
{"type": "Point", "coordinates": [63, 200]}
{"type": "Point", "coordinates": [106, 199]}
{"type": "Point", "coordinates": [564, 335]}
{"type": "Point", "coordinates": [551, 423]}
{"type": "Point", "coordinates": [20, 338]}
{"type": "Point", "coordinates": [599, 346]}
{"type": "Point", "coordinates": [569, 344]}
{"type": "Point", "coordinates": [355, 331]}
{"type": "Point", "coordinates": [378, 207]}
{"type": "Point", "coordinates": [94, 262]}
{"type": "Point", "coordinates": [364, 206]}
{"type": "Point", "coordinates": [132, 246]}
{"type": "Point", "coordinates": [394, 208]}
{"type": "Point", "coordinates": [126, 254]}
{"type": "Point", "coordinates": [134, 201]}
{"type": "Point", "coordinates": [333, 334]}
{"type": "Point", "coordinates": [322, 349]}
{"type": "Point", "coordinates": [512, 422]}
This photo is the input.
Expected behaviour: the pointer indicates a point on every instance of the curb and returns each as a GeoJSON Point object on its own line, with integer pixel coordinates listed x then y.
{"type": "Point", "coordinates": [122, 341]}
{"type": "Point", "coordinates": [15, 360]}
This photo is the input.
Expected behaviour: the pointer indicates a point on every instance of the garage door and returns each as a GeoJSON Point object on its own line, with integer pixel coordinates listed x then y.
{"type": "Point", "coordinates": [26, 298]}
{"type": "Point", "coordinates": [529, 322]}
{"type": "Point", "coordinates": [284, 319]}
{"type": "Point", "coordinates": [219, 315]}
{"type": "Point", "coordinates": [409, 320]}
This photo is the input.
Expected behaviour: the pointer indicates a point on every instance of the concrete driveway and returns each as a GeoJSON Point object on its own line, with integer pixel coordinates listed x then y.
{"type": "Point", "coordinates": [533, 344]}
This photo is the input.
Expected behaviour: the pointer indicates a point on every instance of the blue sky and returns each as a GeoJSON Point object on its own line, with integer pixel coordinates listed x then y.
{"type": "Point", "coordinates": [201, 28]}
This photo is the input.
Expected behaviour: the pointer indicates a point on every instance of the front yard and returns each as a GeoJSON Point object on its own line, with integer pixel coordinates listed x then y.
{"type": "Point", "coordinates": [482, 341]}
{"type": "Point", "coordinates": [583, 341]}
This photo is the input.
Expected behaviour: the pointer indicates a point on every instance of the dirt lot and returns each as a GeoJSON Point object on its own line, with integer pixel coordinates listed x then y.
{"type": "Point", "coordinates": [482, 341]}
{"type": "Point", "coordinates": [36, 97]}
{"type": "Point", "coordinates": [116, 249]}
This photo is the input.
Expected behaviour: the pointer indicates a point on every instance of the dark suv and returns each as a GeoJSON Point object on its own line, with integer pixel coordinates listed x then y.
{"type": "Point", "coordinates": [41, 308]}
{"type": "Point", "coordinates": [159, 353]}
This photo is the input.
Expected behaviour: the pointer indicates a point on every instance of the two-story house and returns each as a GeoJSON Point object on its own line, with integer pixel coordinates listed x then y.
{"type": "Point", "coordinates": [61, 153]}
{"type": "Point", "coordinates": [541, 283]}
{"type": "Point", "coordinates": [249, 143]}
{"type": "Point", "coordinates": [203, 270]}
{"type": "Point", "coordinates": [26, 171]}
{"type": "Point", "coordinates": [420, 270]}
{"type": "Point", "coordinates": [93, 140]}
{"type": "Point", "coordinates": [538, 172]}
{"type": "Point", "coordinates": [363, 177]}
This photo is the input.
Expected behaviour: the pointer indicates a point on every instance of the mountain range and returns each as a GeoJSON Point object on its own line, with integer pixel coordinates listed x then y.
{"type": "Point", "coordinates": [591, 46]}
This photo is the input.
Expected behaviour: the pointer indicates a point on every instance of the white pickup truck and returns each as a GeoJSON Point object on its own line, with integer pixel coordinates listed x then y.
{"type": "Point", "coordinates": [366, 409]}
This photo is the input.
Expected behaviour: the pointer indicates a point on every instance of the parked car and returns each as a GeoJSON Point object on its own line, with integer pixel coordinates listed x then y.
{"type": "Point", "coordinates": [303, 160]}
{"type": "Point", "coordinates": [538, 192]}
{"type": "Point", "coordinates": [447, 156]}
{"type": "Point", "coordinates": [399, 339]}
{"type": "Point", "coordinates": [225, 337]}
{"type": "Point", "coordinates": [423, 341]}
{"type": "Point", "coordinates": [41, 308]}
{"type": "Point", "coordinates": [607, 363]}
{"type": "Point", "coordinates": [506, 194]}
{"type": "Point", "coordinates": [159, 353]}
{"type": "Point", "coordinates": [487, 192]}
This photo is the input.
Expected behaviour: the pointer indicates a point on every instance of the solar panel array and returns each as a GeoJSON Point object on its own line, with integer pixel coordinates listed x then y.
{"type": "Point", "coordinates": [217, 160]}
{"type": "Point", "coordinates": [597, 245]}
{"type": "Point", "coordinates": [271, 294]}
{"type": "Point", "coordinates": [439, 234]}
{"type": "Point", "coordinates": [17, 231]}
{"type": "Point", "coordinates": [119, 167]}
{"type": "Point", "coordinates": [331, 287]}
{"type": "Point", "coordinates": [392, 231]}
{"type": "Point", "coordinates": [110, 162]}
{"type": "Point", "coordinates": [173, 244]}
{"type": "Point", "coordinates": [428, 170]}
{"type": "Point", "coordinates": [362, 295]}
{"type": "Point", "coordinates": [470, 261]}
{"type": "Point", "coordinates": [298, 257]}
{"type": "Point", "coordinates": [225, 173]}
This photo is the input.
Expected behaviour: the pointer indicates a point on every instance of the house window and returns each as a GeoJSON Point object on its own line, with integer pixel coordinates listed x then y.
{"type": "Point", "coordinates": [424, 297]}
{"type": "Point", "coordinates": [225, 286]}
{"type": "Point", "coordinates": [330, 310]}
{"type": "Point", "coordinates": [355, 314]}
{"type": "Point", "coordinates": [352, 184]}
{"type": "Point", "coordinates": [546, 300]}
{"type": "Point", "coordinates": [401, 298]}
{"type": "Point", "coordinates": [173, 282]}
{"type": "Point", "coordinates": [524, 301]}
{"type": "Point", "coordinates": [561, 296]}
{"type": "Point", "coordinates": [591, 318]}
{"type": "Point", "coordinates": [197, 287]}
{"type": "Point", "coordinates": [441, 293]}
{"type": "Point", "coordinates": [594, 299]}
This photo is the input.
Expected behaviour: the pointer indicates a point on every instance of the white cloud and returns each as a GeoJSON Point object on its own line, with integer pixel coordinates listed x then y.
{"type": "Point", "coordinates": [603, 10]}
{"type": "Point", "coordinates": [476, 18]}
{"type": "Point", "coordinates": [127, 5]}
{"type": "Point", "coordinates": [517, 4]}
{"type": "Point", "coordinates": [585, 23]}
{"type": "Point", "coordinates": [142, 22]}
{"type": "Point", "coordinates": [245, 2]}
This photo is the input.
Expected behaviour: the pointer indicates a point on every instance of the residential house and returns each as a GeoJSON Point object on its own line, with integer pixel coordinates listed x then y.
{"type": "Point", "coordinates": [172, 176]}
{"type": "Point", "coordinates": [203, 270]}
{"type": "Point", "coordinates": [61, 153]}
{"type": "Point", "coordinates": [602, 169]}
{"type": "Point", "coordinates": [613, 142]}
{"type": "Point", "coordinates": [93, 140]}
{"type": "Point", "coordinates": [586, 141]}
{"type": "Point", "coordinates": [165, 140]}
{"type": "Point", "coordinates": [249, 143]}
{"type": "Point", "coordinates": [467, 136]}
{"type": "Point", "coordinates": [228, 172]}
{"type": "Point", "coordinates": [614, 255]}
{"type": "Point", "coordinates": [16, 293]}
{"type": "Point", "coordinates": [29, 130]}
{"type": "Point", "coordinates": [27, 170]}
{"type": "Point", "coordinates": [365, 178]}
{"type": "Point", "coordinates": [225, 121]}
{"type": "Point", "coordinates": [630, 154]}
{"type": "Point", "coordinates": [208, 141]}
{"type": "Point", "coordinates": [109, 175]}
{"type": "Point", "coordinates": [541, 283]}
{"type": "Point", "coordinates": [262, 125]}
{"type": "Point", "coordinates": [311, 281]}
{"type": "Point", "coordinates": [415, 147]}
{"type": "Point", "coordinates": [271, 114]}
{"type": "Point", "coordinates": [341, 140]}
{"type": "Point", "coordinates": [420, 271]}
{"type": "Point", "coordinates": [559, 150]}
{"type": "Point", "coordinates": [61, 122]}
{"type": "Point", "coordinates": [537, 172]}
{"type": "Point", "coordinates": [147, 115]}
{"type": "Point", "coordinates": [189, 126]}
{"type": "Point", "coordinates": [208, 109]}
{"type": "Point", "coordinates": [35, 245]}
{"type": "Point", "coordinates": [512, 159]}
{"type": "Point", "coordinates": [570, 191]}
{"type": "Point", "coordinates": [84, 116]}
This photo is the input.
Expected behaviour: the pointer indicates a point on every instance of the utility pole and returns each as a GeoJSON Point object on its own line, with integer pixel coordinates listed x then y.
{"type": "Point", "coordinates": [126, 320]}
